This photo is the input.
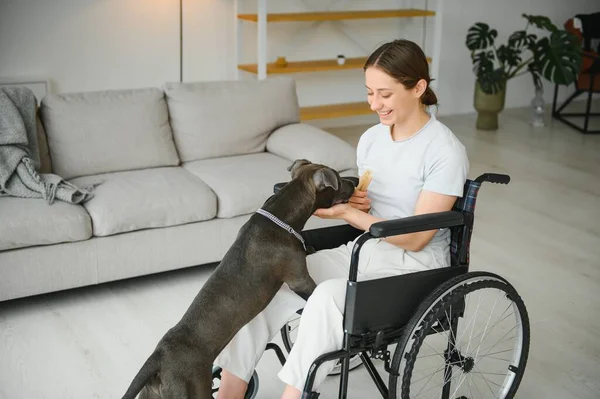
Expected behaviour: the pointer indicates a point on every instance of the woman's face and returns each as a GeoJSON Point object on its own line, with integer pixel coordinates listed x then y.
{"type": "Point", "coordinates": [391, 100]}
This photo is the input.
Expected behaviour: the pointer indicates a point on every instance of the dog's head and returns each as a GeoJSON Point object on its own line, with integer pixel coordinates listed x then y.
{"type": "Point", "coordinates": [330, 188]}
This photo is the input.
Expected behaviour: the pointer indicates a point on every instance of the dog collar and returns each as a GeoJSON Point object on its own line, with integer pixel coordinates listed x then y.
{"type": "Point", "coordinates": [281, 224]}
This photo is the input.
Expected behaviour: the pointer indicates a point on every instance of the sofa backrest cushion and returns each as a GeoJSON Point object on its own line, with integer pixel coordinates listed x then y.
{"type": "Point", "coordinates": [215, 119]}
{"type": "Point", "coordinates": [108, 131]}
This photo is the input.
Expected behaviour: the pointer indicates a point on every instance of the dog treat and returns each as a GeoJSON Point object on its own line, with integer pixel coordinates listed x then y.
{"type": "Point", "coordinates": [364, 180]}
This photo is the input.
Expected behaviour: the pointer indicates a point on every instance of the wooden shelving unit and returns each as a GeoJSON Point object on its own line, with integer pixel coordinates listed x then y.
{"type": "Point", "coordinates": [263, 68]}
{"type": "Point", "coordinates": [339, 15]}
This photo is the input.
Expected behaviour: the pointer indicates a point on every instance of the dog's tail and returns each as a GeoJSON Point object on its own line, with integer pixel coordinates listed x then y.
{"type": "Point", "coordinates": [150, 368]}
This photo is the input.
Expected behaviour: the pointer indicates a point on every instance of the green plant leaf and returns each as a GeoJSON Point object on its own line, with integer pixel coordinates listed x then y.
{"type": "Point", "coordinates": [483, 62]}
{"type": "Point", "coordinates": [558, 58]}
{"type": "Point", "coordinates": [493, 81]}
{"type": "Point", "coordinates": [480, 36]}
{"type": "Point", "coordinates": [520, 38]}
{"type": "Point", "coordinates": [509, 56]}
{"type": "Point", "coordinates": [540, 22]}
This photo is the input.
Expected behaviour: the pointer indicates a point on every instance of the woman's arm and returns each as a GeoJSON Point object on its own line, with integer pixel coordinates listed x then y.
{"type": "Point", "coordinates": [428, 202]}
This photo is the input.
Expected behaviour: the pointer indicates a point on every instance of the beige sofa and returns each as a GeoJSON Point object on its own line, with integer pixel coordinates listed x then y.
{"type": "Point", "coordinates": [182, 168]}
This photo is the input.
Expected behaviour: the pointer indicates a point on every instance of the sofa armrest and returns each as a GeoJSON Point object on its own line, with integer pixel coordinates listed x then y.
{"type": "Point", "coordinates": [303, 141]}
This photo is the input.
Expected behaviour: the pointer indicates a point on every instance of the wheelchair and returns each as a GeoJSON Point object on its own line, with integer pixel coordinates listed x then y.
{"type": "Point", "coordinates": [457, 334]}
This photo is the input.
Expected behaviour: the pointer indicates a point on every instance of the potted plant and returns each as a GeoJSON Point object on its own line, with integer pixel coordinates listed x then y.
{"type": "Point", "coordinates": [555, 57]}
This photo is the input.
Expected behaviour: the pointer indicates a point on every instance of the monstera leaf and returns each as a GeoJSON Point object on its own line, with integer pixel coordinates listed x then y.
{"type": "Point", "coordinates": [483, 62]}
{"type": "Point", "coordinates": [540, 22]}
{"type": "Point", "coordinates": [509, 56]}
{"type": "Point", "coordinates": [491, 79]}
{"type": "Point", "coordinates": [520, 38]}
{"type": "Point", "coordinates": [492, 82]}
{"type": "Point", "coordinates": [557, 58]}
{"type": "Point", "coordinates": [480, 36]}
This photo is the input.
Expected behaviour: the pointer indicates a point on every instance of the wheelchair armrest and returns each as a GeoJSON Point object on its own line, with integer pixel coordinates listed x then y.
{"type": "Point", "coordinates": [413, 224]}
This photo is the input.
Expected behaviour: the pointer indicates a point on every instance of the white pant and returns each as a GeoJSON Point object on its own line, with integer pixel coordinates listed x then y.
{"type": "Point", "coordinates": [321, 325]}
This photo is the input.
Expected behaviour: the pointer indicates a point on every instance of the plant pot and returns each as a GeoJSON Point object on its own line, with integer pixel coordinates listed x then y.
{"type": "Point", "coordinates": [488, 106]}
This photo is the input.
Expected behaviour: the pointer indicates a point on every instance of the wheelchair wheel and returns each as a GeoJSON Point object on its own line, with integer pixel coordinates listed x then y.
{"type": "Point", "coordinates": [468, 339]}
{"type": "Point", "coordinates": [288, 335]}
{"type": "Point", "coordinates": [251, 392]}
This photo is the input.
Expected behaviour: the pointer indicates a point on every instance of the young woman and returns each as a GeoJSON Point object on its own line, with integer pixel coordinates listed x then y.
{"type": "Point", "coordinates": [418, 166]}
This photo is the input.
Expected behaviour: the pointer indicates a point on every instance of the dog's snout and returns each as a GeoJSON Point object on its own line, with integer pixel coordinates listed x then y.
{"type": "Point", "coordinates": [347, 190]}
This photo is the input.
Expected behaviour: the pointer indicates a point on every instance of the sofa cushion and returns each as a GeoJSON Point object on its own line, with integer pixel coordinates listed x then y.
{"type": "Point", "coordinates": [28, 221]}
{"type": "Point", "coordinates": [214, 119]}
{"type": "Point", "coordinates": [115, 130]}
{"type": "Point", "coordinates": [147, 198]}
{"type": "Point", "coordinates": [242, 183]}
{"type": "Point", "coordinates": [300, 140]}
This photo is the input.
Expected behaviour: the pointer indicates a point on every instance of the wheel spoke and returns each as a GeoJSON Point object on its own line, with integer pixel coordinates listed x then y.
{"type": "Point", "coordinates": [418, 393]}
{"type": "Point", "coordinates": [430, 376]}
{"type": "Point", "coordinates": [497, 342]}
{"type": "Point", "coordinates": [441, 386]}
{"type": "Point", "coordinates": [480, 375]}
{"type": "Point", "coordinates": [476, 387]}
{"type": "Point", "coordinates": [433, 367]}
{"type": "Point", "coordinates": [495, 353]}
{"type": "Point", "coordinates": [486, 326]}
{"type": "Point", "coordinates": [498, 322]}
{"type": "Point", "coordinates": [431, 354]}
{"type": "Point", "coordinates": [473, 326]}
{"type": "Point", "coordinates": [451, 335]}
{"type": "Point", "coordinates": [442, 356]}
{"type": "Point", "coordinates": [459, 385]}
{"type": "Point", "coordinates": [441, 332]}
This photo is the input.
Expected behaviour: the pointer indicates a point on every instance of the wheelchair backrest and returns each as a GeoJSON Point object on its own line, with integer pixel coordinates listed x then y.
{"type": "Point", "coordinates": [461, 235]}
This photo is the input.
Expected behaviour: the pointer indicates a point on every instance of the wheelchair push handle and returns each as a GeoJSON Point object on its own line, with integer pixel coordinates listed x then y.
{"type": "Point", "coordinates": [493, 178]}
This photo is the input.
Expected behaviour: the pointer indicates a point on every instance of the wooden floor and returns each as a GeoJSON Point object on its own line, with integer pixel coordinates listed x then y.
{"type": "Point", "coordinates": [541, 232]}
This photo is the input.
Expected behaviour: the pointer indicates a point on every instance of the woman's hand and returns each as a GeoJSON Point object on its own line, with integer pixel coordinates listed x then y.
{"type": "Point", "coordinates": [338, 211]}
{"type": "Point", "coordinates": [360, 201]}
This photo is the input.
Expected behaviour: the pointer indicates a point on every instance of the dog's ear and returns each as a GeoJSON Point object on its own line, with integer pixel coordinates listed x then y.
{"type": "Point", "coordinates": [296, 165]}
{"type": "Point", "coordinates": [324, 178]}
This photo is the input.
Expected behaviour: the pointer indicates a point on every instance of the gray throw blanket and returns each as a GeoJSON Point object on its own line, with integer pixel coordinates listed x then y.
{"type": "Point", "coordinates": [19, 157]}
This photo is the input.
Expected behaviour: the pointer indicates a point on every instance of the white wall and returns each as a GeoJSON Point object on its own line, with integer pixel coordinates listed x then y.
{"type": "Point", "coordinates": [110, 44]}
{"type": "Point", "coordinates": [90, 44]}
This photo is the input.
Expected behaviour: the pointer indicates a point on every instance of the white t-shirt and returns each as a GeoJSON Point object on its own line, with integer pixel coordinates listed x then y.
{"type": "Point", "coordinates": [432, 159]}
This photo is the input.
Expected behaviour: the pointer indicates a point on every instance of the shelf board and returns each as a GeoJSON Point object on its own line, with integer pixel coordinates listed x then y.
{"type": "Point", "coordinates": [339, 15]}
{"type": "Point", "coordinates": [307, 66]}
{"type": "Point", "coordinates": [334, 111]}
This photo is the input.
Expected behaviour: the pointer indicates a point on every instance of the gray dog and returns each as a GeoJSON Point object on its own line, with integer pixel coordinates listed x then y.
{"type": "Point", "coordinates": [262, 258]}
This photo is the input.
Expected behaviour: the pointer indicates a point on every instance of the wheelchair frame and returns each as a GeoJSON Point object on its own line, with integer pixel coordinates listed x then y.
{"type": "Point", "coordinates": [371, 322]}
